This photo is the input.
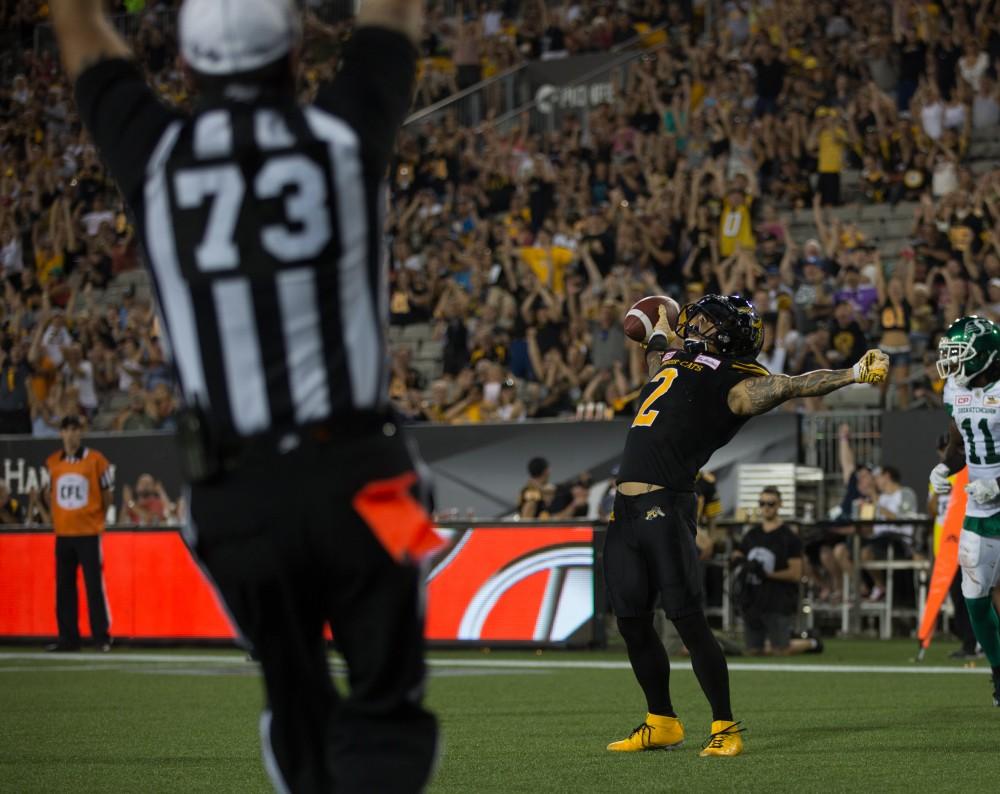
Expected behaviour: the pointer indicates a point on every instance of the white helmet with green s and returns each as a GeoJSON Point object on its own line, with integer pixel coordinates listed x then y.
{"type": "Point", "coordinates": [968, 348]}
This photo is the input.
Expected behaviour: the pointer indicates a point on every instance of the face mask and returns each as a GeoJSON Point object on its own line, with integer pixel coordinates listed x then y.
{"type": "Point", "coordinates": [695, 346]}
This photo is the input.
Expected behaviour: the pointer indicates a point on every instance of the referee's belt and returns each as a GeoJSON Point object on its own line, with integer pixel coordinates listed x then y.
{"type": "Point", "coordinates": [239, 451]}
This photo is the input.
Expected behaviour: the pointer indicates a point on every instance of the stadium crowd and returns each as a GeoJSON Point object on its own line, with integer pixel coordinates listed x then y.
{"type": "Point", "coordinates": [515, 253]}
{"type": "Point", "coordinates": [523, 249]}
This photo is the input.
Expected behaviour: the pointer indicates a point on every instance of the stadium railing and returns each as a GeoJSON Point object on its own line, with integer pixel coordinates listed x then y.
{"type": "Point", "coordinates": [614, 73]}
{"type": "Point", "coordinates": [886, 610]}
{"type": "Point", "coordinates": [505, 96]}
{"type": "Point", "coordinates": [819, 437]}
{"type": "Point", "coordinates": [852, 609]}
{"type": "Point", "coordinates": [819, 443]}
{"type": "Point", "coordinates": [497, 94]}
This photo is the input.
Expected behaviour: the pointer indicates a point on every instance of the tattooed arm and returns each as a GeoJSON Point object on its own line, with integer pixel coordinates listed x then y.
{"type": "Point", "coordinates": [85, 35]}
{"type": "Point", "coordinates": [755, 396]}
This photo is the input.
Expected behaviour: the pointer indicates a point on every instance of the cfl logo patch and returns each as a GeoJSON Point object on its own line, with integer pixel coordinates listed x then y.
{"type": "Point", "coordinates": [72, 491]}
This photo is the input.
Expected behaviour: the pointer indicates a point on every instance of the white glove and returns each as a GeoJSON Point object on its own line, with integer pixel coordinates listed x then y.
{"type": "Point", "coordinates": [939, 479]}
{"type": "Point", "coordinates": [983, 491]}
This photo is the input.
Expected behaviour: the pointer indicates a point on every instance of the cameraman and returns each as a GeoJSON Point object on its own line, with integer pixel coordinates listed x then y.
{"type": "Point", "coordinates": [771, 556]}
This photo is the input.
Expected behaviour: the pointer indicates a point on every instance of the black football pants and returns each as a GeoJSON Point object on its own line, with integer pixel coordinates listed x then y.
{"type": "Point", "coordinates": [74, 552]}
{"type": "Point", "coordinates": [288, 554]}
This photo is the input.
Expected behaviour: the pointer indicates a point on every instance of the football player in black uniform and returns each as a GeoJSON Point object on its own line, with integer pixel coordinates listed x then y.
{"type": "Point", "coordinates": [704, 385]}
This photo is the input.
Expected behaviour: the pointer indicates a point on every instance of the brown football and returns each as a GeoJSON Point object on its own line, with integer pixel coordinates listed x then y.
{"type": "Point", "coordinates": [642, 317]}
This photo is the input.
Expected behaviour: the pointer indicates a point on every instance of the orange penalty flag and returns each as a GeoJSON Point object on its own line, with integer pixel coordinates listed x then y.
{"type": "Point", "coordinates": [397, 519]}
{"type": "Point", "coordinates": [946, 562]}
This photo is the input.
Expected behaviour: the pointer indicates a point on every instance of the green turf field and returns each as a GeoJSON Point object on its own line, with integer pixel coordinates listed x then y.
{"type": "Point", "coordinates": [186, 720]}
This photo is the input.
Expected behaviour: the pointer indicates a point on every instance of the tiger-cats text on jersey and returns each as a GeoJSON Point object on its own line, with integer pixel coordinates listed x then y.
{"type": "Point", "coordinates": [683, 418]}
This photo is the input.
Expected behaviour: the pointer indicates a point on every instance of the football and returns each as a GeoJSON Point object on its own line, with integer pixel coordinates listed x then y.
{"type": "Point", "coordinates": [642, 317]}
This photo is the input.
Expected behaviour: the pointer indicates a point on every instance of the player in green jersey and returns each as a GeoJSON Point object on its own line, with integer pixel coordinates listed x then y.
{"type": "Point", "coordinates": [969, 361]}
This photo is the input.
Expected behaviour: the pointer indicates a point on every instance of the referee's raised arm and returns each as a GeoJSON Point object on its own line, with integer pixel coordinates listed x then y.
{"type": "Point", "coordinates": [123, 115]}
{"type": "Point", "coordinates": [373, 89]}
{"type": "Point", "coordinates": [85, 35]}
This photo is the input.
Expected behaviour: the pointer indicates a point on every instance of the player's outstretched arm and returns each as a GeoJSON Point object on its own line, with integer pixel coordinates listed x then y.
{"type": "Point", "coordinates": [85, 35]}
{"type": "Point", "coordinates": [755, 396]}
{"type": "Point", "coordinates": [402, 16]}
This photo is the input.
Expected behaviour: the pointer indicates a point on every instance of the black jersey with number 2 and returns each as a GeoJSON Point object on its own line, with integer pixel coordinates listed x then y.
{"type": "Point", "coordinates": [683, 418]}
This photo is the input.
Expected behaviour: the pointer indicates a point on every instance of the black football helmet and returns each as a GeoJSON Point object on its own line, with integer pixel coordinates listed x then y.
{"type": "Point", "coordinates": [737, 330]}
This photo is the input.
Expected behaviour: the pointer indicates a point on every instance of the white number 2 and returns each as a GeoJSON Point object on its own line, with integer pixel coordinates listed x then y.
{"type": "Point", "coordinates": [306, 206]}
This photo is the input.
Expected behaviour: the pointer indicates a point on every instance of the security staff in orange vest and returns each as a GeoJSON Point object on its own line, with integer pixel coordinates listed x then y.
{"type": "Point", "coordinates": [82, 491]}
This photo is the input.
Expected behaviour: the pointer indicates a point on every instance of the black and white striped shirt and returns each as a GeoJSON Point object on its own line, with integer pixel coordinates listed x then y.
{"type": "Point", "coordinates": [262, 226]}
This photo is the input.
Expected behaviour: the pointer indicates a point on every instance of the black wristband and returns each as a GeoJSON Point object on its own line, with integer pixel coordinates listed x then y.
{"type": "Point", "coordinates": [658, 342]}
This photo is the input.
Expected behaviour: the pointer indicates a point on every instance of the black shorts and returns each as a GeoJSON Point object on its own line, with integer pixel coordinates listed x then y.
{"type": "Point", "coordinates": [650, 552]}
{"type": "Point", "coordinates": [825, 540]}
{"type": "Point", "coordinates": [828, 186]}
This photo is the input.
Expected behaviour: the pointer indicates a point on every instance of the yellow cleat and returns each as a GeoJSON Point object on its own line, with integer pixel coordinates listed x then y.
{"type": "Point", "coordinates": [725, 740]}
{"type": "Point", "coordinates": [656, 733]}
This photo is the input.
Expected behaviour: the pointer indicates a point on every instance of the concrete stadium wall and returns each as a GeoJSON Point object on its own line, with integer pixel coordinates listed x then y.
{"type": "Point", "coordinates": [909, 442]}
{"type": "Point", "coordinates": [479, 468]}
{"type": "Point", "coordinates": [483, 467]}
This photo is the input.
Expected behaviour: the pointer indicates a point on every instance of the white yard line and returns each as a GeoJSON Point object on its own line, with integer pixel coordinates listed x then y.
{"type": "Point", "coordinates": [120, 658]}
{"type": "Point", "coordinates": [743, 667]}
{"type": "Point", "coordinates": [117, 659]}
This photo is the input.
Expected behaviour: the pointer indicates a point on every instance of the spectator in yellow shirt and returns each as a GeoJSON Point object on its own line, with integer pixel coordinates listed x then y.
{"type": "Point", "coordinates": [828, 139]}
{"type": "Point", "coordinates": [548, 262]}
{"type": "Point", "coordinates": [735, 222]}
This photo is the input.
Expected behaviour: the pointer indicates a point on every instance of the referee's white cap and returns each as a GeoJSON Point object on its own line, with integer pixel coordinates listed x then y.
{"type": "Point", "coordinates": [221, 37]}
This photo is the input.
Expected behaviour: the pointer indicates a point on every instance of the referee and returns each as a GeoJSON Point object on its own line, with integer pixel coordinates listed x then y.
{"type": "Point", "coordinates": [261, 221]}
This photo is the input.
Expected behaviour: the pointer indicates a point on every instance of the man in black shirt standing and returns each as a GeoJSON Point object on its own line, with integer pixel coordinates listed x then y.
{"type": "Point", "coordinates": [703, 387]}
{"type": "Point", "coordinates": [262, 225]}
{"type": "Point", "coordinates": [771, 555]}
{"type": "Point", "coordinates": [770, 79]}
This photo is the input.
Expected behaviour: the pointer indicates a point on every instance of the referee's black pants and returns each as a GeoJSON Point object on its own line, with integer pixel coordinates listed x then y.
{"type": "Point", "coordinates": [288, 553]}
{"type": "Point", "coordinates": [72, 552]}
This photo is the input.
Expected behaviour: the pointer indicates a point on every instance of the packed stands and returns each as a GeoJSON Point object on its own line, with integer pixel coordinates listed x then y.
{"type": "Point", "coordinates": [836, 161]}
